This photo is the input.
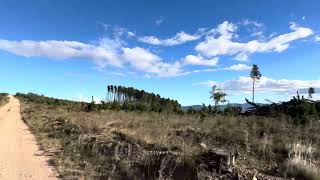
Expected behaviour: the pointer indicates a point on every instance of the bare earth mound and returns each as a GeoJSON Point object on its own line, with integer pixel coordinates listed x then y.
{"type": "Point", "coordinates": [20, 157]}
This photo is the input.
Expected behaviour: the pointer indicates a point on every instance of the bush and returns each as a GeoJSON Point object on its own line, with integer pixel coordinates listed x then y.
{"type": "Point", "coordinates": [231, 111]}
{"type": "Point", "coordinates": [3, 98]}
{"type": "Point", "coordinates": [301, 111]}
{"type": "Point", "coordinates": [317, 106]}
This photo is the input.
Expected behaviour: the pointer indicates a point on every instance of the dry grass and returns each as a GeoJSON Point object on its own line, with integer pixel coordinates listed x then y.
{"type": "Point", "coordinates": [301, 162]}
{"type": "Point", "coordinates": [260, 141]}
{"type": "Point", "coordinates": [4, 99]}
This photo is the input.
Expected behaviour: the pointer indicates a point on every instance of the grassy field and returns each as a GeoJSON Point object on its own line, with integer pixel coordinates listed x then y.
{"type": "Point", "coordinates": [3, 99]}
{"type": "Point", "coordinates": [150, 145]}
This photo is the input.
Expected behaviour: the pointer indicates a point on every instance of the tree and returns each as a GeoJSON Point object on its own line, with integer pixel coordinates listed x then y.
{"type": "Point", "coordinates": [108, 93]}
{"type": "Point", "coordinates": [218, 96]}
{"type": "Point", "coordinates": [131, 98]}
{"type": "Point", "coordinates": [255, 76]}
{"type": "Point", "coordinates": [311, 92]}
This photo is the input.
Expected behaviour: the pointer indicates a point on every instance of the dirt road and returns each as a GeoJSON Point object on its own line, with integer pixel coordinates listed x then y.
{"type": "Point", "coordinates": [20, 157]}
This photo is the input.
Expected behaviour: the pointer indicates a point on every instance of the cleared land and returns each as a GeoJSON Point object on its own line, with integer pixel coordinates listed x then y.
{"type": "Point", "coordinates": [20, 157]}
{"type": "Point", "coordinates": [149, 145]}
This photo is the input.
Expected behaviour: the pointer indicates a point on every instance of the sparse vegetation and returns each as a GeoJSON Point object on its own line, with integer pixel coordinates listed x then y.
{"type": "Point", "coordinates": [129, 98]}
{"type": "Point", "coordinates": [150, 145]}
{"type": "Point", "coordinates": [218, 96]}
{"type": "Point", "coordinates": [300, 163]}
{"type": "Point", "coordinates": [3, 98]}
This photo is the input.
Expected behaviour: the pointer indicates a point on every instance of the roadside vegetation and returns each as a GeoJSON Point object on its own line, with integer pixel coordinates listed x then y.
{"type": "Point", "coordinates": [144, 144]}
{"type": "Point", "coordinates": [3, 99]}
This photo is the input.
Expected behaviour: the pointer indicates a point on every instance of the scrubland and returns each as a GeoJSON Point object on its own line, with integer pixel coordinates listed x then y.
{"type": "Point", "coordinates": [150, 145]}
{"type": "Point", "coordinates": [3, 98]}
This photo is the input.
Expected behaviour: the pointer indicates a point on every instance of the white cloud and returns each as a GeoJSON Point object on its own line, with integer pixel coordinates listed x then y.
{"type": "Point", "coordinates": [159, 21]}
{"type": "Point", "coordinates": [317, 38]}
{"type": "Point", "coordinates": [223, 44]}
{"type": "Point", "coordinates": [199, 60]}
{"type": "Point", "coordinates": [247, 22]}
{"type": "Point", "coordinates": [206, 83]}
{"type": "Point", "coordinates": [131, 34]}
{"type": "Point", "coordinates": [102, 54]}
{"type": "Point", "coordinates": [255, 28]}
{"type": "Point", "coordinates": [141, 58]}
{"type": "Point", "coordinates": [257, 33]}
{"type": "Point", "coordinates": [119, 31]}
{"type": "Point", "coordinates": [179, 38]}
{"type": "Point", "coordinates": [106, 52]}
{"type": "Point", "coordinates": [225, 29]}
{"type": "Point", "coordinates": [148, 62]}
{"type": "Point", "coordinates": [114, 51]}
{"type": "Point", "coordinates": [80, 97]}
{"type": "Point", "coordinates": [115, 31]}
{"type": "Point", "coordinates": [265, 84]}
{"type": "Point", "coordinates": [238, 67]}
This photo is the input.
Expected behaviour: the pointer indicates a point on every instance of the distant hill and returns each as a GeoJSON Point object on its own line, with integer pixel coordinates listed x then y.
{"type": "Point", "coordinates": [195, 107]}
{"type": "Point", "coordinates": [221, 107]}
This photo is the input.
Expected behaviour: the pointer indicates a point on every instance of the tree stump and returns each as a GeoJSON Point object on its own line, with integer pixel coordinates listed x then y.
{"type": "Point", "coordinates": [217, 160]}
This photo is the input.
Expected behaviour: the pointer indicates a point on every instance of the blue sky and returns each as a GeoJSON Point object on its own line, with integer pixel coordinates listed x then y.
{"type": "Point", "coordinates": [178, 49]}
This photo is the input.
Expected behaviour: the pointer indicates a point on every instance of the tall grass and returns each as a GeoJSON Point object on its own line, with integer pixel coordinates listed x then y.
{"type": "Point", "coordinates": [3, 99]}
{"type": "Point", "coordinates": [300, 163]}
{"type": "Point", "coordinates": [260, 142]}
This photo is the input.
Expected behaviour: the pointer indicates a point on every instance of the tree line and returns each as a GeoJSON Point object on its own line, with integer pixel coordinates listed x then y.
{"type": "Point", "coordinates": [129, 98]}
{"type": "Point", "coordinates": [117, 98]}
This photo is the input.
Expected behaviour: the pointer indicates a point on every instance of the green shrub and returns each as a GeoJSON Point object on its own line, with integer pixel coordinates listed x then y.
{"type": "Point", "coordinates": [230, 111]}
{"type": "Point", "coordinates": [301, 111]}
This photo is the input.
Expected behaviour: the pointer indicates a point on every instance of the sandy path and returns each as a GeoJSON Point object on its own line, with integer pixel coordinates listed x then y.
{"type": "Point", "coordinates": [20, 157]}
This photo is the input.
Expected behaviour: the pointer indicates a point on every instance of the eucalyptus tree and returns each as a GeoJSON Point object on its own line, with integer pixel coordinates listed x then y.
{"type": "Point", "coordinates": [255, 76]}
{"type": "Point", "coordinates": [108, 92]}
{"type": "Point", "coordinates": [140, 99]}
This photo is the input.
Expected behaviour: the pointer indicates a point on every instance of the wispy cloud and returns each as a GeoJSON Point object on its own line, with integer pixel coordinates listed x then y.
{"type": "Point", "coordinates": [111, 52]}
{"type": "Point", "coordinates": [106, 52]}
{"type": "Point", "coordinates": [179, 38]}
{"type": "Point", "coordinates": [238, 67]}
{"type": "Point", "coordinates": [247, 22]}
{"type": "Point", "coordinates": [199, 60]}
{"type": "Point", "coordinates": [255, 28]}
{"type": "Point", "coordinates": [159, 21]}
{"type": "Point", "coordinates": [116, 52]}
{"type": "Point", "coordinates": [224, 44]}
{"type": "Point", "coordinates": [131, 34]}
{"type": "Point", "coordinates": [265, 84]}
{"type": "Point", "coordinates": [235, 67]}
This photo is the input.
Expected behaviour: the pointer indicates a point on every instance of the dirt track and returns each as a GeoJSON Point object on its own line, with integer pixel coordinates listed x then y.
{"type": "Point", "coordinates": [20, 157]}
